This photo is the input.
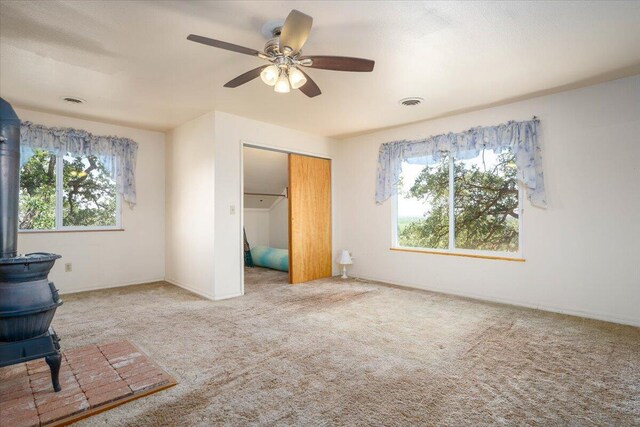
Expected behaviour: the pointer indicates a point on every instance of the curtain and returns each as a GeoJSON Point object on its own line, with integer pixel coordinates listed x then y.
{"type": "Point", "coordinates": [117, 154]}
{"type": "Point", "coordinates": [519, 137]}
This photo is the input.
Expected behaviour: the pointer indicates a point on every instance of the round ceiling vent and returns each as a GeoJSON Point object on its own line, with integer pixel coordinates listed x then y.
{"type": "Point", "coordinates": [73, 100]}
{"type": "Point", "coordinates": [411, 102]}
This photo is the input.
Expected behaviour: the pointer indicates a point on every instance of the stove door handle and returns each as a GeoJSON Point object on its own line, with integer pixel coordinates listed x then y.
{"type": "Point", "coordinates": [54, 292]}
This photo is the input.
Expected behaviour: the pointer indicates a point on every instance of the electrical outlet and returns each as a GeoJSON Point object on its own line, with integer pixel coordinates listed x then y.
{"type": "Point", "coordinates": [67, 267]}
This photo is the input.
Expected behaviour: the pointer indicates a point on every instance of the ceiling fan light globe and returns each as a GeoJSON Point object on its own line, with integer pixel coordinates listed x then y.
{"type": "Point", "coordinates": [270, 75]}
{"type": "Point", "coordinates": [296, 78]}
{"type": "Point", "coordinates": [282, 85]}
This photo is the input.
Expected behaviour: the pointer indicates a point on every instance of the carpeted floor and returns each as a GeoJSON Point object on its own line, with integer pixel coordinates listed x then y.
{"type": "Point", "coordinates": [336, 352]}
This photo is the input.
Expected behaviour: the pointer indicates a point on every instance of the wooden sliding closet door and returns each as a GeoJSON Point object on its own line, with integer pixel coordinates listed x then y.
{"type": "Point", "coordinates": [309, 218]}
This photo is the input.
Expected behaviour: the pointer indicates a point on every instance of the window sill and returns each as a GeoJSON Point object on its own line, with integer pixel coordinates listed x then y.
{"type": "Point", "coordinates": [90, 230]}
{"type": "Point", "coordinates": [460, 254]}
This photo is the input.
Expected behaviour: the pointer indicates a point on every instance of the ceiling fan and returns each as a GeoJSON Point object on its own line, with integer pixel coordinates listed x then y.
{"type": "Point", "coordinates": [284, 53]}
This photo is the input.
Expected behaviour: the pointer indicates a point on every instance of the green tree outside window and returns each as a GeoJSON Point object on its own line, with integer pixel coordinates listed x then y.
{"type": "Point", "coordinates": [485, 205]}
{"type": "Point", "coordinates": [89, 197]}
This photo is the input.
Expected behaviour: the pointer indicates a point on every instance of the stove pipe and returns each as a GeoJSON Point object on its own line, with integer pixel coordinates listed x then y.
{"type": "Point", "coordinates": [9, 179]}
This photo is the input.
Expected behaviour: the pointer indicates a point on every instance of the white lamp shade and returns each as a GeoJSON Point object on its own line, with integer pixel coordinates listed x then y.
{"type": "Point", "coordinates": [282, 85]}
{"type": "Point", "coordinates": [296, 78]}
{"type": "Point", "coordinates": [270, 75]}
{"type": "Point", "coordinates": [344, 257]}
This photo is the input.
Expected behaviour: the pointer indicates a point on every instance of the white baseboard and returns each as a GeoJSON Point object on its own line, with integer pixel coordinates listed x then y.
{"type": "Point", "coordinates": [109, 286]}
{"type": "Point", "coordinates": [239, 294]}
{"type": "Point", "coordinates": [544, 307]}
{"type": "Point", "coordinates": [206, 295]}
{"type": "Point", "coordinates": [573, 312]}
{"type": "Point", "coordinates": [198, 292]}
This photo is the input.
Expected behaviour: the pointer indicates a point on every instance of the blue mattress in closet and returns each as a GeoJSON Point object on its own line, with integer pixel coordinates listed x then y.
{"type": "Point", "coordinates": [277, 259]}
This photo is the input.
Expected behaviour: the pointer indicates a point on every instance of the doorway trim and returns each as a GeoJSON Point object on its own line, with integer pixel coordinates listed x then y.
{"type": "Point", "coordinates": [249, 144]}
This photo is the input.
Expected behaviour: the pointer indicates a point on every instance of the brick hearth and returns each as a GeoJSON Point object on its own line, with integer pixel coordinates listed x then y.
{"type": "Point", "coordinates": [93, 378]}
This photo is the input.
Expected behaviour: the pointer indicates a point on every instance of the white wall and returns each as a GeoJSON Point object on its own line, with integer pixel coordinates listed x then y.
{"type": "Point", "coordinates": [268, 226]}
{"type": "Point", "coordinates": [581, 253]}
{"type": "Point", "coordinates": [204, 246]}
{"type": "Point", "coordinates": [230, 132]}
{"type": "Point", "coordinates": [279, 224]}
{"type": "Point", "coordinates": [111, 258]}
{"type": "Point", "coordinates": [190, 206]}
{"type": "Point", "coordinates": [257, 223]}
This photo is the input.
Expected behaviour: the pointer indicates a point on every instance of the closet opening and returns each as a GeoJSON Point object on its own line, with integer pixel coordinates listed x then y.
{"type": "Point", "coordinates": [265, 216]}
{"type": "Point", "coordinates": [286, 217]}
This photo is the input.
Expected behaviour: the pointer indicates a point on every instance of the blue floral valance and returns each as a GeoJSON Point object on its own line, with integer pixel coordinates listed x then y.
{"type": "Point", "coordinates": [520, 137]}
{"type": "Point", "coordinates": [117, 154]}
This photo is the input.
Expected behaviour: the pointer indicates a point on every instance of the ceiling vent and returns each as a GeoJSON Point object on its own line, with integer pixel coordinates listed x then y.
{"type": "Point", "coordinates": [411, 102]}
{"type": "Point", "coordinates": [73, 100]}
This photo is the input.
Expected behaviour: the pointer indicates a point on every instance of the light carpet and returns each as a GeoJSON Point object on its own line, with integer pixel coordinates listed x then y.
{"type": "Point", "coordinates": [347, 352]}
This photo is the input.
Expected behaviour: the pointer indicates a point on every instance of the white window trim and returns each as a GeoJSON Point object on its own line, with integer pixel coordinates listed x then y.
{"type": "Point", "coordinates": [452, 238]}
{"type": "Point", "coordinates": [59, 208]}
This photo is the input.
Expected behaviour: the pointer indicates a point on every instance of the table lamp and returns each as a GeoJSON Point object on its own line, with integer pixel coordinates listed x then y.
{"type": "Point", "coordinates": [344, 259]}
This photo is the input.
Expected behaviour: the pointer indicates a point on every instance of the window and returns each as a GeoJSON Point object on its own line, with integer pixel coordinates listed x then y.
{"type": "Point", "coordinates": [460, 205]}
{"type": "Point", "coordinates": [67, 193]}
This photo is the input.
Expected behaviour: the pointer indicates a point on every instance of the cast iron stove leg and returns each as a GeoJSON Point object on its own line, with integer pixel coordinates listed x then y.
{"type": "Point", "coordinates": [54, 362]}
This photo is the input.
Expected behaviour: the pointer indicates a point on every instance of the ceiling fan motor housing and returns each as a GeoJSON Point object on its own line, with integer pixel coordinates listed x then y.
{"type": "Point", "coordinates": [272, 47]}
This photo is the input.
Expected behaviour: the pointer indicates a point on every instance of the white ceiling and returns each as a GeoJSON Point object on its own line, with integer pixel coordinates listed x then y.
{"type": "Point", "coordinates": [264, 172]}
{"type": "Point", "coordinates": [132, 63]}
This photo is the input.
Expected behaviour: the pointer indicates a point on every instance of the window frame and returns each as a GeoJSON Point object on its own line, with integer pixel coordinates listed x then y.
{"type": "Point", "coordinates": [59, 196]}
{"type": "Point", "coordinates": [452, 250]}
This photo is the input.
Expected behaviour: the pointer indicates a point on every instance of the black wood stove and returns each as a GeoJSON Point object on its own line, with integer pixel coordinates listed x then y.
{"type": "Point", "coordinates": [28, 300]}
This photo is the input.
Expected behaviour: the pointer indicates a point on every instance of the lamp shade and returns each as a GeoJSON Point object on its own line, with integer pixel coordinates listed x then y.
{"type": "Point", "coordinates": [282, 84]}
{"type": "Point", "coordinates": [270, 75]}
{"type": "Point", "coordinates": [344, 257]}
{"type": "Point", "coordinates": [296, 78]}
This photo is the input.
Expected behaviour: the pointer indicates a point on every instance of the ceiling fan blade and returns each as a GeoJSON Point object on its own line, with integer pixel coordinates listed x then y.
{"type": "Point", "coordinates": [246, 77]}
{"type": "Point", "coordinates": [338, 63]}
{"type": "Point", "coordinates": [310, 88]}
{"type": "Point", "coordinates": [223, 45]}
{"type": "Point", "coordinates": [295, 31]}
